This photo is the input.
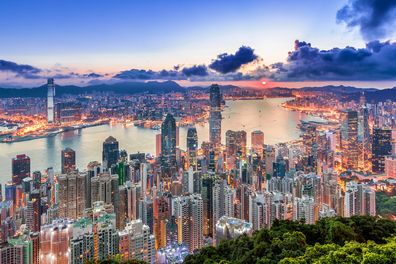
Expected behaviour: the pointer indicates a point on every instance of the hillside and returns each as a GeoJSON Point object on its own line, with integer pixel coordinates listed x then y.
{"type": "Point", "coordinates": [332, 240]}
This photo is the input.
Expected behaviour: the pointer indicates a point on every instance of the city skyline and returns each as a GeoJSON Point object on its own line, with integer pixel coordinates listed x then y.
{"type": "Point", "coordinates": [151, 41]}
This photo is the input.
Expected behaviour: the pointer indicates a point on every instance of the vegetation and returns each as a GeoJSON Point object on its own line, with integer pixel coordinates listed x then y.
{"type": "Point", "coordinates": [359, 239]}
{"type": "Point", "coordinates": [386, 204]}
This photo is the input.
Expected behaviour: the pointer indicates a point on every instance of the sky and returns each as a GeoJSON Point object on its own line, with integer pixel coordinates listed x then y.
{"type": "Point", "coordinates": [198, 41]}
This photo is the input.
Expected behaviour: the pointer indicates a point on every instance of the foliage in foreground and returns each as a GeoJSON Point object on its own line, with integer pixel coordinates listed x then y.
{"type": "Point", "coordinates": [359, 239]}
{"type": "Point", "coordinates": [386, 204]}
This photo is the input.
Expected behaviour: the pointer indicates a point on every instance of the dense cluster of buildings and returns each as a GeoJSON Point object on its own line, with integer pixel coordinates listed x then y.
{"type": "Point", "coordinates": [160, 210]}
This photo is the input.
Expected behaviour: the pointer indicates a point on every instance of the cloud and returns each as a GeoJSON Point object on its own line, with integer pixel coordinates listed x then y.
{"type": "Point", "coordinates": [93, 75]}
{"type": "Point", "coordinates": [21, 70]}
{"type": "Point", "coordinates": [226, 63]}
{"type": "Point", "coordinates": [196, 70]}
{"type": "Point", "coordinates": [374, 18]}
{"type": "Point", "coordinates": [136, 74]}
{"type": "Point", "coordinates": [374, 62]}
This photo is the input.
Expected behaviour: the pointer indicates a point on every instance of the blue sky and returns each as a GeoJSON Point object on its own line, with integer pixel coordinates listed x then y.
{"type": "Point", "coordinates": [112, 36]}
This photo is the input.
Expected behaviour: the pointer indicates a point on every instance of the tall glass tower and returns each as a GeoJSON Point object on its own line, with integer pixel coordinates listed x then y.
{"type": "Point", "coordinates": [168, 144]}
{"type": "Point", "coordinates": [215, 115]}
{"type": "Point", "coordinates": [50, 101]}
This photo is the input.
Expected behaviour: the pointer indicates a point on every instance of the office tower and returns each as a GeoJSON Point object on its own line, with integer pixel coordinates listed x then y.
{"type": "Point", "coordinates": [269, 159]}
{"type": "Point", "coordinates": [136, 242]}
{"type": "Point", "coordinates": [349, 140]}
{"type": "Point", "coordinates": [236, 143]}
{"type": "Point", "coordinates": [192, 146]}
{"type": "Point", "coordinates": [215, 116]}
{"type": "Point", "coordinates": [208, 181]}
{"type": "Point", "coordinates": [303, 208]}
{"type": "Point", "coordinates": [168, 145]}
{"type": "Point", "coordinates": [54, 242]}
{"type": "Point", "coordinates": [158, 147]}
{"type": "Point", "coordinates": [20, 168]}
{"type": "Point", "coordinates": [36, 175]}
{"type": "Point", "coordinates": [110, 153]}
{"type": "Point", "coordinates": [71, 195]}
{"type": "Point", "coordinates": [258, 142]}
{"type": "Point", "coordinates": [364, 139]}
{"type": "Point", "coordinates": [279, 166]}
{"type": "Point", "coordinates": [218, 201]}
{"type": "Point", "coordinates": [230, 228]}
{"type": "Point", "coordinates": [311, 143]}
{"type": "Point", "coordinates": [390, 167]}
{"type": "Point", "coordinates": [382, 147]}
{"type": "Point", "coordinates": [68, 160]}
{"type": "Point", "coordinates": [50, 101]}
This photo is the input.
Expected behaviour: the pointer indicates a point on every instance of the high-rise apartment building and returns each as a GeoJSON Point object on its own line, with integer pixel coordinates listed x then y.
{"type": "Point", "coordinates": [68, 160]}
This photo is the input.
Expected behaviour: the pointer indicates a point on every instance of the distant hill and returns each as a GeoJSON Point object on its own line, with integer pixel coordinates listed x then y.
{"type": "Point", "coordinates": [121, 88]}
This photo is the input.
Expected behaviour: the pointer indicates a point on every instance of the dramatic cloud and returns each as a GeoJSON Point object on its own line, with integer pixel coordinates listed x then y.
{"type": "Point", "coordinates": [21, 70]}
{"type": "Point", "coordinates": [196, 70]}
{"type": "Point", "coordinates": [374, 18]}
{"type": "Point", "coordinates": [226, 63]}
{"type": "Point", "coordinates": [136, 74]}
{"type": "Point", "coordinates": [375, 62]}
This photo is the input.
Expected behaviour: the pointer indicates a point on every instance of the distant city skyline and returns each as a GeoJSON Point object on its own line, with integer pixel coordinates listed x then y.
{"type": "Point", "coordinates": [101, 42]}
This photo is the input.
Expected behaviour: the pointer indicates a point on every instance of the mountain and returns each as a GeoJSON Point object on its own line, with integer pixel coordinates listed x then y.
{"type": "Point", "coordinates": [338, 89]}
{"type": "Point", "coordinates": [121, 88]}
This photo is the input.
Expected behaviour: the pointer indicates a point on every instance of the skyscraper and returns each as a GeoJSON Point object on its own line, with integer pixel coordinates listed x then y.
{"type": "Point", "coordinates": [258, 142]}
{"type": "Point", "coordinates": [71, 195]}
{"type": "Point", "coordinates": [382, 147]}
{"type": "Point", "coordinates": [192, 146]}
{"type": "Point", "coordinates": [168, 145]}
{"type": "Point", "coordinates": [20, 168]}
{"type": "Point", "coordinates": [110, 153]}
{"type": "Point", "coordinates": [349, 140]}
{"type": "Point", "coordinates": [68, 160]}
{"type": "Point", "coordinates": [50, 101]}
{"type": "Point", "coordinates": [215, 116]}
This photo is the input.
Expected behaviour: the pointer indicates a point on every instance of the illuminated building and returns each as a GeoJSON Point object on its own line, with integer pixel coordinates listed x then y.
{"type": "Point", "coordinates": [258, 142]}
{"type": "Point", "coordinates": [158, 145]}
{"type": "Point", "coordinates": [364, 139]}
{"type": "Point", "coordinates": [81, 242]}
{"type": "Point", "coordinates": [54, 242]}
{"type": "Point", "coordinates": [68, 112]}
{"type": "Point", "coordinates": [189, 214]}
{"type": "Point", "coordinates": [208, 181]}
{"type": "Point", "coordinates": [279, 167]}
{"type": "Point", "coordinates": [192, 146]}
{"type": "Point", "coordinates": [136, 242]}
{"type": "Point", "coordinates": [20, 168]}
{"type": "Point", "coordinates": [17, 250]}
{"type": "Point", "coordinates": [68, 160]}
{"type": "Point", "coordinates": [349, 140]}
{"type": "Point", "coordinates": [168, 145]}
{"type": "Point", "coordinates": [33, 211]}
{"type": "Point", "coordinates": [71, 194]}
{"type": "Point", "coordinates": [236, 143]}
{"type": "Point", "coordinates": [110, 153]}
{"type": "Point", "coordinates": [390, 167]}
{"type": "Point", "coordinates": [382, 147]}
{"type": "Point", "coordinates": [161, 214]}
{"type": "Point", "coordinates": [215, 116]}
{"type": "Point", "coordinates": [218, 201]}
{"type": "Point", "coordinates": [174, 253]}
{"type": "Point", "coordinates": [50, 101]}
{"type": "Point", "coordinates": [230, 228]}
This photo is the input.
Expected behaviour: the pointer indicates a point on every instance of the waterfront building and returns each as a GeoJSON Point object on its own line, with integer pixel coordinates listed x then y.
{"type": "Point", "coordinates": [20, 168]}
{"type": "Point", "coordinates": [50, 101]}
{"type": "Point", "coordinates": [68, 160]}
